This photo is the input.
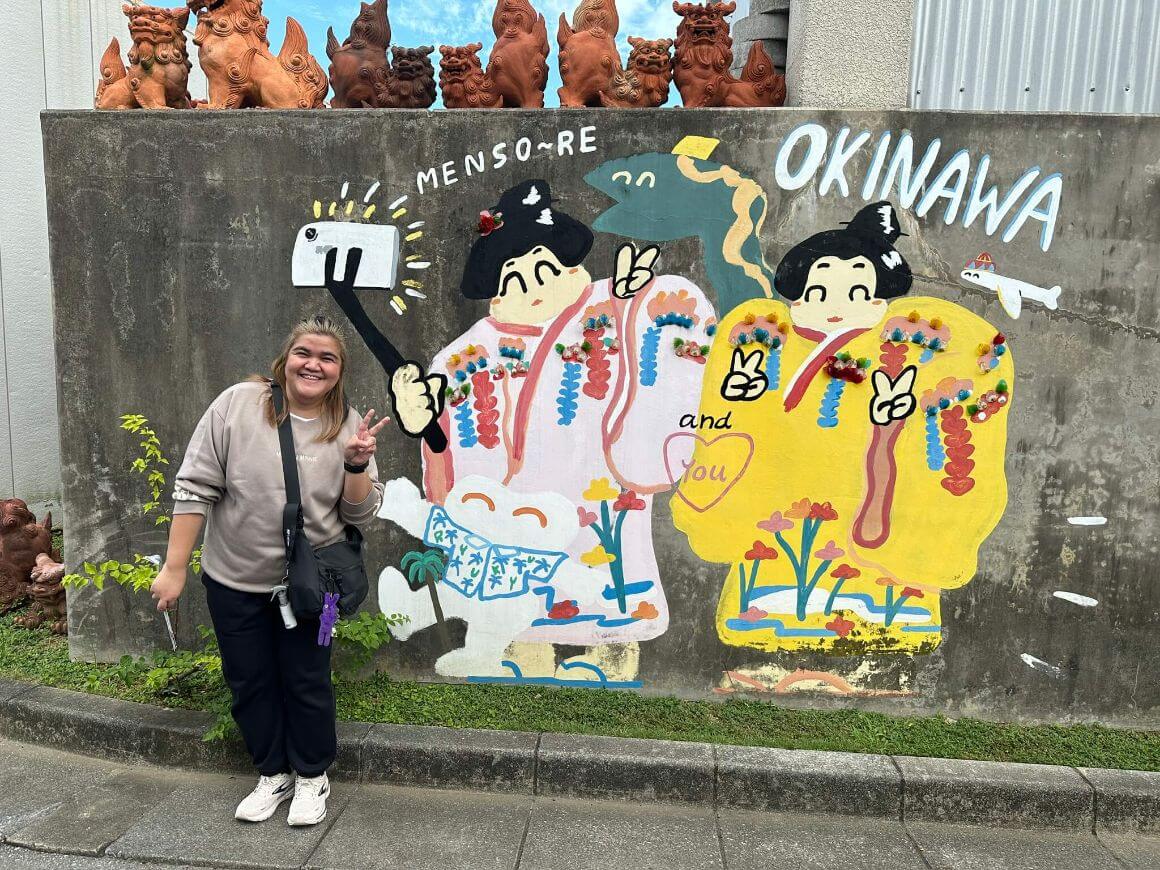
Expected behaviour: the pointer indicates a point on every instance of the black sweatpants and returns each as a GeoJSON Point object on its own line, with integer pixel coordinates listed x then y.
{"type": "Point", "coordinates": [280, 681]}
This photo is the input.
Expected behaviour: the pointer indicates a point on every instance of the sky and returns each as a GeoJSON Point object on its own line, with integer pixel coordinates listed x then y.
{"type": "Point", "coordinates": [458, 22]}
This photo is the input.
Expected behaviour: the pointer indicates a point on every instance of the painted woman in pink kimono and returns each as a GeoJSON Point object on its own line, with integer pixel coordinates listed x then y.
{"type": "Point", "coordinates": [569, 386]}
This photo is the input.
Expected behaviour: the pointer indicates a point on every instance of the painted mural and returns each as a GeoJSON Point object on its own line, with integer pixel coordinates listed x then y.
{"type": "Point", "coordinates": [870, 413]}
{"type": "Point", "coordinates": [834, 440]}
{"type": "Point", "coordinates": [542, 503]}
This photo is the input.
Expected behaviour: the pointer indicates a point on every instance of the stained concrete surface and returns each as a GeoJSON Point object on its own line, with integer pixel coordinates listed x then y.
{"type": "Point", "coordinates": [171, 238]}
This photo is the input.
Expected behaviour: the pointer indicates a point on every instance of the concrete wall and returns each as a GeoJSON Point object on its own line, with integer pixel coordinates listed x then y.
{"type": "Point", "coordinates": [847, 54]}
{"type": "Point", "coordinates": [51, 49]}
{"type": "Point", "coordinates": [807, 546]}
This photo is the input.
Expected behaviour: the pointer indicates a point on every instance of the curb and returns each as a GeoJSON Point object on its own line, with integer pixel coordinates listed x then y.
{"type": "Point", "coordinates": [572, 765]}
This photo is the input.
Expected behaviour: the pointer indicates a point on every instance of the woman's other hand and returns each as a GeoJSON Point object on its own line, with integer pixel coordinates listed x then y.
{"type": "Point", "coordinates": [360, 449]}
{"type": "Point", "coordinates": [168, 586]}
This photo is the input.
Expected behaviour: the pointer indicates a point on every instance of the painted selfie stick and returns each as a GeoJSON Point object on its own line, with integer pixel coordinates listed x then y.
{"type": "Point", "coordinates": [315, 263]}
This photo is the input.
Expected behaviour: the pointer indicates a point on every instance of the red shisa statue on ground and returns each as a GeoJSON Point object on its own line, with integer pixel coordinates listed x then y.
{"type": "Point", "coordinates": [242, 73]}
{"type": "Point", "coordinates": [645, 84]}
{"type": "Point", "coordinates": [704, 54]}
{"type": "Point", "coordinates": [518, 65]}
{"type": "Point", "coordinates": [29, 565]}
{"type": "Point", "coordinates": [463, 82]}
{"type": "Point", "coordinates": [158, 72]}
{"type": "Point", "coordinates": [361, 75]}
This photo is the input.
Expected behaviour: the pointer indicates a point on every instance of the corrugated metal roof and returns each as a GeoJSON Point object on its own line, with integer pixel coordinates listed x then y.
{"type": "Point", "coordinates": [1036, 55]}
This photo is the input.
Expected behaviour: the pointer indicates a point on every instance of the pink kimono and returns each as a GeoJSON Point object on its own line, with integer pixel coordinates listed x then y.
{"type": "Point", "coordinates": [582, 406]}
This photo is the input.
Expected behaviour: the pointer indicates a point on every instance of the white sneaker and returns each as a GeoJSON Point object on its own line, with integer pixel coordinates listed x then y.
{"type": "Point", "coordinates": [266, 797]}
{"type": "Point", "coordinates": [309, 804]}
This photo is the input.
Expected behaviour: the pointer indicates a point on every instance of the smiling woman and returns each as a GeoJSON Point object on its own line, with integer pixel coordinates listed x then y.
{"type": "Point", "coordinates": [232, 478]}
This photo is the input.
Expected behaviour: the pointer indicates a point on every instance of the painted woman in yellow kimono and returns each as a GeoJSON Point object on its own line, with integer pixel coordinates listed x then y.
{"type": "Point", "coordinates": [874, 425]}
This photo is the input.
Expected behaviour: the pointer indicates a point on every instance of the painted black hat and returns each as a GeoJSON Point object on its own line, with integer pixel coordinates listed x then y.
{"type": "Point", "coordinates": [522, 219]}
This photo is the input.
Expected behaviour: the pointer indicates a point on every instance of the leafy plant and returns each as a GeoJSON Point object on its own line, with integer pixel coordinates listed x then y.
{"type": "Point", "coordinates": [361, 637]}
{"type": "Point", "coordinates": [149, 463]}
{"type": "Point", "coordinates": [137, 575]}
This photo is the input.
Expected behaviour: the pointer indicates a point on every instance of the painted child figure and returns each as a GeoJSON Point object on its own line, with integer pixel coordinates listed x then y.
{"type": "Point", "coordinates": [880, 427]}
{"type": "Point", "coordinates": [570, 386]}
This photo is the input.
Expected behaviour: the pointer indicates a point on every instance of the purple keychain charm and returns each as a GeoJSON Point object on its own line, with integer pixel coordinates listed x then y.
{"type": "Point", "coordinates": [329, 618]}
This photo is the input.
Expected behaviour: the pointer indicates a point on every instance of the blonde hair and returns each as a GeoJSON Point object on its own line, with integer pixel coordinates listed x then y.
{"type": "Point", "coordinates": [334, 405]}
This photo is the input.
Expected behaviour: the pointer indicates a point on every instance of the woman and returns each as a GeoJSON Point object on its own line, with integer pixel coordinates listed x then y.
{"type": "Point", "coordinates": [283, 699]}
{"type": "Point", "coordinates": [879, 424]}
{"type": "Point", "coordinates": [569, 385]}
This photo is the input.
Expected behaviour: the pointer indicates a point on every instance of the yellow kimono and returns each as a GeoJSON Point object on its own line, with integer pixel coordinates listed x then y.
{"type": "Point", "coordinates": [839, 533]}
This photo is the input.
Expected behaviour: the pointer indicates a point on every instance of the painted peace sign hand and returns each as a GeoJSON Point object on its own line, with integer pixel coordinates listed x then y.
{"type": "Point", "coordinates": [361, 447]}
{"type": "Point", "coordinates": [746, 382]}
{"type": "Point", "coordinates": [893, 399]}
{"type": "Point", "coordinates": [417, 397]}
{"type": "Point", "coordinates": [634, 269]}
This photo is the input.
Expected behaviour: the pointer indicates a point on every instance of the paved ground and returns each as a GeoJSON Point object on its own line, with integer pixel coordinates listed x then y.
{"type": "Point", "coordinates": [61, 811]}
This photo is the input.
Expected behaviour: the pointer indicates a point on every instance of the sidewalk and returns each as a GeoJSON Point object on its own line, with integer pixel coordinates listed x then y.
{"type": "Point", "coordinates": [67, 807]}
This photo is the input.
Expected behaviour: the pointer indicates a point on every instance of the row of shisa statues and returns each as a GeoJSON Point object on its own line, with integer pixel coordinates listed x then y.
{"type": "Point", "coordinates": [242, 72]}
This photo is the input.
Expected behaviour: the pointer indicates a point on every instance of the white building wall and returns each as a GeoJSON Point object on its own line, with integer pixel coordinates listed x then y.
{"type": "Point", "coordinates": [49, 51]}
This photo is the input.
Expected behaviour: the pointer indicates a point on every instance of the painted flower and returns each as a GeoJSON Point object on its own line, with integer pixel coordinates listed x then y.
{"type": "Point", "coordinates": [886, 581]}
{"type": "Point", "coordinates": [830, 552]}
{"type": "Point", "coordinates": [597, 556]}
{"type": "Point", "coordinates": [800, 510]}
{"type": "Point", "coordinates": [489, 223]}
{"type": "Point", "coordinates": [587, 517]}
{"type": "Point", "coordinates": [600, 490]}
{"type": "Point", "coordinates": [911, 592]}
{"type": "Point", "coordinates": [753, 614]}
{"type": "Point", "coordinates": [776, 523]}
{"type": "Point", "coordinates": [627, 501]}
{"type": "Point", "coordinates": [840, 626]}
{"type": "Point", "coordinates": [845, 572]}
{"type": "Point", "coordinates": [563, 610]}
{"type": "Point", "coordinates": [645, 611]}
{"type": "Point", "coordinates": [824, 511]}
{"type": "Point", "coordinates": [760, 551]}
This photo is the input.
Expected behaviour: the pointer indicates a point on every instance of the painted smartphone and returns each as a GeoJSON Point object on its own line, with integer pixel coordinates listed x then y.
{"type": "Point", "coordinates": [380, 253]}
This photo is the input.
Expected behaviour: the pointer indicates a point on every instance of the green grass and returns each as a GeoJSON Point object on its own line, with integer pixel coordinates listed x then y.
{"type": "Point", "coordinates": [38, 657]}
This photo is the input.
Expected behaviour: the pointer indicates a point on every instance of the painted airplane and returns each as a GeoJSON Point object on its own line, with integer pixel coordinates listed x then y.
{"type": "Point", "coordinates": [1011, 291]}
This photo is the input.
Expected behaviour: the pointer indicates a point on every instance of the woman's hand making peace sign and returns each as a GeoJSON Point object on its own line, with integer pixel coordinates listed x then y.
{"type": "Point", "coordinates": [360, 449]}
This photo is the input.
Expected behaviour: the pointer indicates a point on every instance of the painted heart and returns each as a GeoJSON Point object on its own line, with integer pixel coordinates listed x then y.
{"type": "Point", "coordinates": [704, 471]}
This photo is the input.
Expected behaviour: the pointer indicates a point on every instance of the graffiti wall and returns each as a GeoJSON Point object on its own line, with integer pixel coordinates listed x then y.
{"type": "Point", "coordinates": [793, 405]}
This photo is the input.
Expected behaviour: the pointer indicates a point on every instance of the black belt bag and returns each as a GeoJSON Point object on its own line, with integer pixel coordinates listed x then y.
{"type": "Point", "coordinates": [312, 573]}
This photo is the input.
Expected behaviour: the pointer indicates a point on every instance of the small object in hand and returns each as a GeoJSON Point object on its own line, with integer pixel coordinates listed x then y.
{"type": "Point", "coordinates": [169, 628]}
{"type": "Point", "coordinates": [329, 618]}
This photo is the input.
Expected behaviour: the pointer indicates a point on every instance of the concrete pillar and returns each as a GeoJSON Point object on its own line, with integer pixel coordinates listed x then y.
{"type": "Point", "coordinates": [850, 54]}
{"type": "Point", "coordinates": [767, 22]}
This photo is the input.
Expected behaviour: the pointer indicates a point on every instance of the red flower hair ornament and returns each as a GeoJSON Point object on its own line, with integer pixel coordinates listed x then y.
{"type": "Point", "coordinates": [489, 223]}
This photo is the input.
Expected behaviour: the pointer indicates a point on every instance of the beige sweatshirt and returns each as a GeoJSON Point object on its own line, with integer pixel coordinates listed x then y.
{"type": "Point", "coordinates": [232, 474]}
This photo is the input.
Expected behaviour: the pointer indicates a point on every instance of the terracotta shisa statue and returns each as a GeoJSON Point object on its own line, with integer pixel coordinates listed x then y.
{"type": "Point", "coordinates": [48, 597]}
{"type": "Point", "coordinates": [409, 83]}
{"type": "Point", "coordinates": [158, 72]}
{"type": "Point", "coordinates": [704, 54]}
{"type": "Point", "coordinates": [361, 60]}
{"type": "Point", "coordinates": [242, 72]}
{"type": "Point", "coordinates": [463, 82]}
{"type": "Point", "coordinates": [22, 542]}
{"type": "Point", "coordinates": [645, 84]}
{"type": "Point", "coordinates": [589, 59]}
{"type": "Point", "coordinates": [518, 65]}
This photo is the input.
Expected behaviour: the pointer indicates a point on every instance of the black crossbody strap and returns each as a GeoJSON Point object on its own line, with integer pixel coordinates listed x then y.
{"type": "Point", "coordinates": [292, 514]}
